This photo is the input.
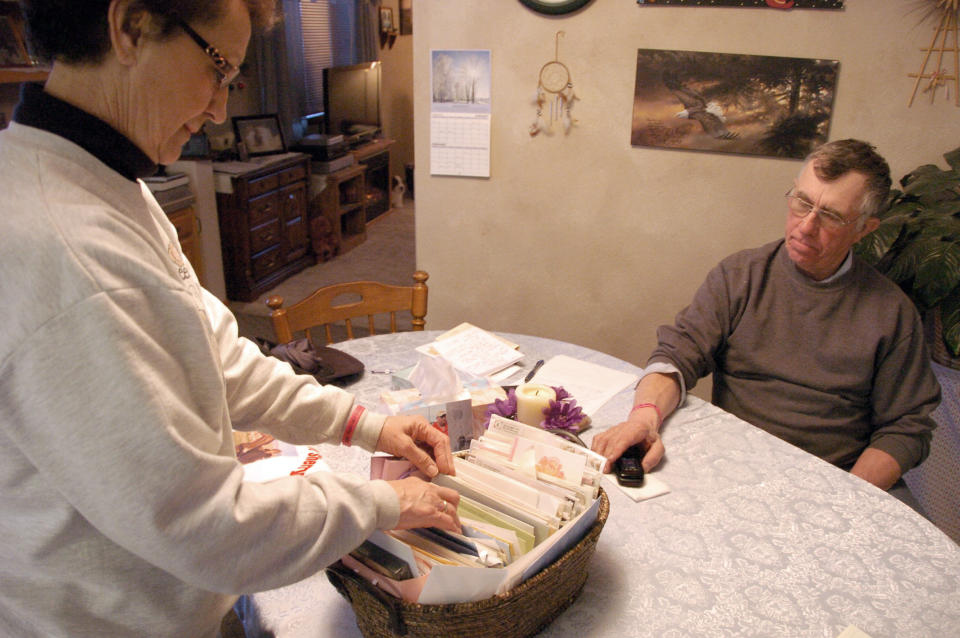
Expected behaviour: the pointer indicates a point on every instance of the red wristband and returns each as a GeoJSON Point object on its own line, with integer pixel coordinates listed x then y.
{"type": "Point", "coordinates": [352, 424]}
{"type": "Point", "coordinates": [648, 405]}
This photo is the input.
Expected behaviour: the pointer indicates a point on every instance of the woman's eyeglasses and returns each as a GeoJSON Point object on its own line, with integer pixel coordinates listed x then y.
{"type": "Point", "coordinates": [226, 72]}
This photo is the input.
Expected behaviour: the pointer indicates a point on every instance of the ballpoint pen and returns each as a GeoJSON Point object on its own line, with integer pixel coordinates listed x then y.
{"type": "Point", "coordinates": [532, 372]}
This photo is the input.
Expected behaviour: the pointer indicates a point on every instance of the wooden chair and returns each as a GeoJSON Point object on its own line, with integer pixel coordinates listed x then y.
{"type": "Point", "coordinates": [323, 307]}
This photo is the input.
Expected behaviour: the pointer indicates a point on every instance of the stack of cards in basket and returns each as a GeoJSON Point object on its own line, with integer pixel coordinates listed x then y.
{"type": "Point", "coordinates": [526, 496]}
{"type": "Point", "coordinates": [524, 461]}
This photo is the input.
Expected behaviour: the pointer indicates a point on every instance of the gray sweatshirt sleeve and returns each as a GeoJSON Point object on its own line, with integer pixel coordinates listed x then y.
{"type": "Point", "coordinates": [130, 419]}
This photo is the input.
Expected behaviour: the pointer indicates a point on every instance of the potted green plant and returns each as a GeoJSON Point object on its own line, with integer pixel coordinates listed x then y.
{"type": "Point", "coordinates": [917, 245]}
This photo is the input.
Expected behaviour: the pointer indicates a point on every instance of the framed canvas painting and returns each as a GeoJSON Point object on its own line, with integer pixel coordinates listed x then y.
{"type": "Point", "coordinates": [732, 103]}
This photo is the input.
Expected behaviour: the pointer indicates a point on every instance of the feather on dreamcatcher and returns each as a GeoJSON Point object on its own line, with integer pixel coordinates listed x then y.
{"type": "Point", "coordinates": [555, 96]}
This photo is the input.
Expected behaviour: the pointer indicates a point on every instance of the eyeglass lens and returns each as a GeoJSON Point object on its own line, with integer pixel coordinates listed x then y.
{"type": "Point", "coordinates": [800, 207]}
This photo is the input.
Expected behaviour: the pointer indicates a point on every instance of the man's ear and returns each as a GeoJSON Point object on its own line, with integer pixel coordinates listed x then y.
{"type": "Point", "coordinates": [127, 25]}
{"type": "Point", "coordinates": [868, 227]}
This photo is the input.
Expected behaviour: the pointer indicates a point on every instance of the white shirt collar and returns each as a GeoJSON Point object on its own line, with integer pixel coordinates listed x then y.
{"type": "Point", "coordinates": [843, 269]}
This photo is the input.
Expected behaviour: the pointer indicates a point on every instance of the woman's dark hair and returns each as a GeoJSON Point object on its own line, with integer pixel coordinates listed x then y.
{"type": "Point", "coordinates": [76, 32]}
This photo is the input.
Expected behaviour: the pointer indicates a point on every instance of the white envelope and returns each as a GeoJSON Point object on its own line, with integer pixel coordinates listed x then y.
{"type": "Point", "coordinates": [449, 584]}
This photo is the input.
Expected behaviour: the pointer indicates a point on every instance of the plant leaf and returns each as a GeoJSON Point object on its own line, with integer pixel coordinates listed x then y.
{"type": "Point", "coordinates": [940, 183]}
{"type": "Point", "coordinates": [905, 208]}
{"type": "Point", "coordinates": [903, 267]}
{"type": "Point", "coordinates": [953, 159]}
{"type": "Point", "coordinates": [944, 228]}
{"type": "Point", "coordinates": [938, 272]}
{"type": "Point", "coordinates": [920, 171]}
{"type": "Point", "coordinates": [950, 318]}
{"type": "Point", "coordinates": [874, 246]}
{"type": "Point", "coordinates": [947, 209]}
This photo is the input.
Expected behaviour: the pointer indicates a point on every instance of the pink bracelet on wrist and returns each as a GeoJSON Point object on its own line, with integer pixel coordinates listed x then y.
{"type": "Point", "coordinates": [352, 424]}
{"type": "Point", "coordinates": [648, 405]}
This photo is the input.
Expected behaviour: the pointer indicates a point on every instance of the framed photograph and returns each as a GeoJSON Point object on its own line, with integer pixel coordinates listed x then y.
{"type": "Point", "coordinates": [260, 134]}
{"type": "Point", "coordinates": [732, 103]}
{"type": "Point", "coordinates": [386, 20]}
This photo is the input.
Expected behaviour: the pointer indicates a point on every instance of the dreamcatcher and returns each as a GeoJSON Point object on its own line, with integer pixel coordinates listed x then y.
{"type": "Point", "coordinates": [555, 95]}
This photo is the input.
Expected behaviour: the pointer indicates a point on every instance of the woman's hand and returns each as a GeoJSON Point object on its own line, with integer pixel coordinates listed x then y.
{"type": "Point", "coordinates": [424, 504]}
{"type": "Point", "coordinates": [412, 437]}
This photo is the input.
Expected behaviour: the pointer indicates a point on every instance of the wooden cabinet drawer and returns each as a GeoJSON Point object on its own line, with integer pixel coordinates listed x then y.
{"type": "Point", "coordinates": [260, 186]}
{"type": "Point", "coordinates": [262, 237]}
{"type": "Point", "coordinates": [263, 209]}
{"type": "Point", "coordinates": [263, 226]}
{"type": "Point", "coordinates": [182, 220]}
{"type": "Point", "coordinates": [265, 263]}
{"type": "Point", "coordinates": [292, 174]}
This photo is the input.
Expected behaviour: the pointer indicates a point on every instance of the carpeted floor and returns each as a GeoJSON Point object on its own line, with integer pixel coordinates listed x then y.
{"type": "Point", "coordinates": [388, 255]}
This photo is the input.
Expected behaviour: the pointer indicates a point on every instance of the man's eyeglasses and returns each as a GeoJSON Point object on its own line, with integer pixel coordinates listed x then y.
{"type": "Point", "coordinates": [800, 207]}
{"type": "Point", "coordinates": [226, 72]}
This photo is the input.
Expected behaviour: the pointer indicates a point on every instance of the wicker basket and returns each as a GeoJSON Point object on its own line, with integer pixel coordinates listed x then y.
{"type": "Point", "coordinates": [525, 609]}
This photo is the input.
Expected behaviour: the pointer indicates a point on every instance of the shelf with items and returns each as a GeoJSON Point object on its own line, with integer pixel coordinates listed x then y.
{"type": "Point", "coordinates": [17, 74]}
{"type": "Point", "coordinates": [375, 156]}
{"type": "Point", "coordinates": [17, 64]}
{"type": "Point", "coordinates": [342, 203]}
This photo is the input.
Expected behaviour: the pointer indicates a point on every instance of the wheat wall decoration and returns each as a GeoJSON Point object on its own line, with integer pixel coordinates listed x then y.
{"type": "Point", "coordinates": [944, 44]}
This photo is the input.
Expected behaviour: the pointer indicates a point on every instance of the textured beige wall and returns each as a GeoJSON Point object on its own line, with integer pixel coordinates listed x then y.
{"type": "Point", "coordinates": [587, 239]}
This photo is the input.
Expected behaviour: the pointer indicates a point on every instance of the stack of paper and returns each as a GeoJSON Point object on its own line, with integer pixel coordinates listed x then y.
{"type": "Point", "coordinates": [591, 384]}
{"type": "Point", "coordinates": [474, 350]}
{"type": "Point", "coordinates": [526, 496]}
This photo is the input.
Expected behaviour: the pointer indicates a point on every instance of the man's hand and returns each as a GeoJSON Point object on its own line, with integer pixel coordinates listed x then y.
{"type": "Point", "coordinates": [424, 504]}
{"type": "Point", "coordinates": [638, 428]}
{"type": "Point", "coordinates": [877, 467]}
{"type": "Point", "coordinates": [642, 425]}
{"type": "Point", "coordinates": [404, 435]}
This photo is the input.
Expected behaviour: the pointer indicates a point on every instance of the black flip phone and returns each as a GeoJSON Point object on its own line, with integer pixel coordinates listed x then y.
{"type": "Point", "coordinates": [382, 561]}
{"type": "Point", "coordinates": [629, 468]}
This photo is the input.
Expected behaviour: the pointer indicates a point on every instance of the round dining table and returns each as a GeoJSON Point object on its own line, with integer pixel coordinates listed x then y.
{"type": "Point", "coordinates": [755, 537]}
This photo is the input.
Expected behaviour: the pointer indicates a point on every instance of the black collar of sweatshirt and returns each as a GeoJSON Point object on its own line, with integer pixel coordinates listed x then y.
{"type": "Point", "coordinates": [43, 111]}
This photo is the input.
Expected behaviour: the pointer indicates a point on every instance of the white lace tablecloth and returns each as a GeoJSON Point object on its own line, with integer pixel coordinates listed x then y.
{"type": "Point", "coordinates": [756, 538]}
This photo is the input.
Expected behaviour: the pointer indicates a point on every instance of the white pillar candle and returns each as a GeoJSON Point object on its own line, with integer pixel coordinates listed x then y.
{"type": "Point", "coordinates": [532, 400]}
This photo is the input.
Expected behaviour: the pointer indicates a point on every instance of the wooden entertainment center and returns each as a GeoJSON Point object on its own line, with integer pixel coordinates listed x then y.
{"type": "Point", "coordinates": [357, 194]}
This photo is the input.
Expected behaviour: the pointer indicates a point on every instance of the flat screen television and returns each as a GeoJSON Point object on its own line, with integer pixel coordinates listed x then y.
{"type": "Point", "coordinates": [351, 100]}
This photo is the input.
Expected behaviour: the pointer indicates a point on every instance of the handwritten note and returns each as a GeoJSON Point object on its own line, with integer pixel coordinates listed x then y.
{"type": "Point", "coordinates": [476, 351]}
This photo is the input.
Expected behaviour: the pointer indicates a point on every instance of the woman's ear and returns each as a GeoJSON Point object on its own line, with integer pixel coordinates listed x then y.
{"type": "Point", "coordinates": [127, 25]}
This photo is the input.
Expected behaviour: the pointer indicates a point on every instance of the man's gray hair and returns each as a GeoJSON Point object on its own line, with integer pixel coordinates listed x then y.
{"type": "Point", "coordinates": [835, 159]}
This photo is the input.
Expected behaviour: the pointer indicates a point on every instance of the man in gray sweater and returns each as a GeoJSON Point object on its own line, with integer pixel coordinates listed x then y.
{"type": "Point", "coordinates": [803, 339]}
